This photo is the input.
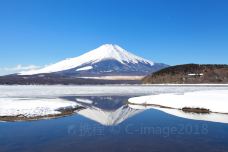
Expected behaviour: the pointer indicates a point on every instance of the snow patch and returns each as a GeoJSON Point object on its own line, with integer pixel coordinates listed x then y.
{"type": "Point", "coordinates": [214, 100]}
{"type": "Point", "coordinates": [213, 117]}
{"type": "Point", "coordinates": [195, 74]}
{"type": "Point", "coordinates": [55, 91]}
{"type": "Point", "coordinates": [85, 68]}
{"type": "Point", "coordinates": [31, 107]}
{"type": "Point", "coordinates": [84, 100]}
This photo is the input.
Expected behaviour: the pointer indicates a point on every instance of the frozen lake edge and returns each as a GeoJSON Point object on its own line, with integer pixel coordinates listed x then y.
{"type": "Point", "coordinates": [30, 93]}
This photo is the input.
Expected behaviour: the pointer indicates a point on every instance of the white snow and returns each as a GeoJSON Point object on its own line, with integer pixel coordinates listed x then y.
{"type": "Point", "coordinates": [43, 95]}
{"type": "Point", "coordinates": [84, 100]}
{"type": "Point", "coordinates": [32, 107]}
{"type": "Point", "coordinates": [195, 74]}
{"type": "Point", "coordinates": [53, 91]}
{"type": "Point", "coordinates": [214, 100]}
{"type": "Point", "coordinates": [85, 68]}
{"type": "Point", "coordinates": [104, 52]}
{"type": "Point", "coordinates": [213, 117]}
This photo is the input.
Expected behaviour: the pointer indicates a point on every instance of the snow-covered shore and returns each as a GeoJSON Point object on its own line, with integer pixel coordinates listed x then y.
{"type": "Point", "coordinates": [9, 91]}
{"type": "Point", "coordinates": [38, 101]}
{"type": "Point", "coordinates": [212, 117]}
{"type": "Point", "coordinates": [214, 100]}
{"type": "Point", "coordinates": [31, 107]}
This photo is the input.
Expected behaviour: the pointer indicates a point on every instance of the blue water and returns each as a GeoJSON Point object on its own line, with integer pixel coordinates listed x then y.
{"type": "Point", "coordinates": [149, 130]}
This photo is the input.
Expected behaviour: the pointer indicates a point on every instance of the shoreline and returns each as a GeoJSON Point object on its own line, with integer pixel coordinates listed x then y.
{"type": "Point", "coordinates": [20, 118]}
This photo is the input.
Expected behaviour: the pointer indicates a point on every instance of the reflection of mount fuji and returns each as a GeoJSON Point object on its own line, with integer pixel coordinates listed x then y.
{"type": "Point", "coordinates": [107, 111]}
{"type": "Point", "coordinates": [212, 117]}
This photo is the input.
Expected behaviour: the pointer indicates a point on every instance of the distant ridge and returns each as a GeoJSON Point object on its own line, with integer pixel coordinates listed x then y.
{"type": "Point", "coordinates": [190, 74]}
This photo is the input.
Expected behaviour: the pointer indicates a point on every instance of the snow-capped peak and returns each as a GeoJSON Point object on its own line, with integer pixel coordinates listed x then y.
{"type": "Point", "coordinates": [104, 52]}
{"type": "Point", "coordinates": [111, 51]}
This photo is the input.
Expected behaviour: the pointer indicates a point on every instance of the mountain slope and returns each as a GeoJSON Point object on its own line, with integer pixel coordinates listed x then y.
{"type": "Point", "coordinates": [190, 74]}
{"type": "Point", "coordinates": [106, 60]}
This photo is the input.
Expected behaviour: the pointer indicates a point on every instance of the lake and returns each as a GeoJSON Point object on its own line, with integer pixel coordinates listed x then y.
{"type": "Point", "coordinates": [107, 123]}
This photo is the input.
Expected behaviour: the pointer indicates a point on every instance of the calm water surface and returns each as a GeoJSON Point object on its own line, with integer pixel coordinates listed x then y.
{"type": "Point", "coordinates": [108, 124]}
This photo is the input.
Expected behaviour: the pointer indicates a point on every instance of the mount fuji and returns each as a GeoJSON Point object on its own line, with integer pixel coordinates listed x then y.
{"type": "Point", "coordinates": [106, 60]}
{"type": "Point", "coordinates": [107, 64]}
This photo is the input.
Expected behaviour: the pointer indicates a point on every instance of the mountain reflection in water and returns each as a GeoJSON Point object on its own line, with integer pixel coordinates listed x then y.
{"type": "Point", "coordinates": [110, 124]}
{"type": "Point", "coordinates": [108, 111]}
{"type": "Point", "coordinates": [111, 111]}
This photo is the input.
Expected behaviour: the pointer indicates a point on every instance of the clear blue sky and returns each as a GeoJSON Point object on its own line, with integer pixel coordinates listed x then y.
{"type": "Point", "coordinates": [40, 32]}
